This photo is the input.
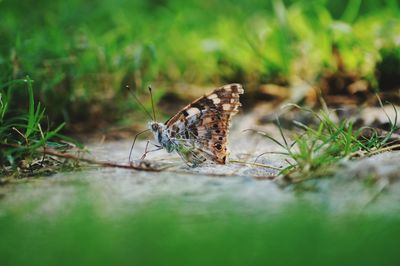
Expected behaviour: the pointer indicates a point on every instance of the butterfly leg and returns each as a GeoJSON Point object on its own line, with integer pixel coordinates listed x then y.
{"type": "Point", "coordinates": [134, 141]}
{"type": "Point", "coordinates": [146, 151]}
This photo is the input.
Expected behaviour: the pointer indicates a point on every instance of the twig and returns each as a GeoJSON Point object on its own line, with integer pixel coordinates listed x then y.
{"type": "Point", "coordinates": [102, 163]}
{"type": "Point", "coordinates": [69, 156]}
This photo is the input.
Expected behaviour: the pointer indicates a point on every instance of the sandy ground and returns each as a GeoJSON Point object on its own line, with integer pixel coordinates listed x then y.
{"type": "Point", "coordinates": [120, 190]}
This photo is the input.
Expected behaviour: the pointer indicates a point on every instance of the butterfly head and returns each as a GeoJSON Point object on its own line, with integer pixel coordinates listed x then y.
{"type": "Point", "coordinates": [157, 129]}
{"type": "Point", "coordinates": [154, 126]}
{"type": "Point", "coordinates": [161, 135]}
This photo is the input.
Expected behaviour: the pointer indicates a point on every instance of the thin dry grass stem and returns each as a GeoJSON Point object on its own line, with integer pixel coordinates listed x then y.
{"type": "Point", "coordinates": [381, 150]}
{"type": "Point", "coordinates": [21, 134]}
{"type": "Point", "coordinates": [256, 164]}
{"type": "Point", "coordinates": [269, 152]}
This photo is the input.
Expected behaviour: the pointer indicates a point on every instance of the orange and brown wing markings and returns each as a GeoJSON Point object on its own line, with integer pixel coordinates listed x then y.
{"type": "Point", "coordinates": [207, 121]}
{"type": "Point", "coordinates": [220, 99]}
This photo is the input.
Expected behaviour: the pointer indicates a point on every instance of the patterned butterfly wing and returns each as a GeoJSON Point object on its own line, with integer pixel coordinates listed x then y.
{"type": "Point", "coordinates": [200, 129]}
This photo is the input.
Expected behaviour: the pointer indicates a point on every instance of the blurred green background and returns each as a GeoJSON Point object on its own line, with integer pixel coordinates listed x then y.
{"type": "Point", "coordinates": [83, 54]}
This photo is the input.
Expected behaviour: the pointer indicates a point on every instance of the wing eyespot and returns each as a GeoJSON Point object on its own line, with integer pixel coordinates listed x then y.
{"type": "Point", "coordinates": [218, 146]}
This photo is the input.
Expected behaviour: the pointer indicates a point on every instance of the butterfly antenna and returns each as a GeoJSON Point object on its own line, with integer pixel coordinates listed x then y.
{"type": "Point", "coordinates": [140, 104]}
{"type": "Point", "coordinates": [152, 103]}
{"type": "Point", "coordinates": [134, 141]}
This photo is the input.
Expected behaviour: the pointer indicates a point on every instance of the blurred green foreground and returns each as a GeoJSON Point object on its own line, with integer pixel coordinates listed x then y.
{"type": "Point", "coordinates": [172, 233]}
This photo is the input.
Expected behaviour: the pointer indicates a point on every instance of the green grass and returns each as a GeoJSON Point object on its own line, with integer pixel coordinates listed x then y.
{"type": "Point", "coordinates": [21, 133]}
{"type": "Point", "coordinates": [316, 149]}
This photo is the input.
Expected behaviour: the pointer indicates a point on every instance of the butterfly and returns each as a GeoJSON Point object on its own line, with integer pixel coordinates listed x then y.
{"type": "Point", "coordinates": [199, 131]}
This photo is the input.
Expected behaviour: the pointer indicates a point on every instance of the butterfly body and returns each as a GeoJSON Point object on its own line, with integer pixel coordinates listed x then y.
{"type": "Point", "coordinates": [161, 135]}
{"type": "Point", "coordinates": [199, 131]}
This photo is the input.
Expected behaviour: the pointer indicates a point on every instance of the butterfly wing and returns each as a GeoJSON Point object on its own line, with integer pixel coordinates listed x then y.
{"type": "Point", "coordinates": [201, 128]}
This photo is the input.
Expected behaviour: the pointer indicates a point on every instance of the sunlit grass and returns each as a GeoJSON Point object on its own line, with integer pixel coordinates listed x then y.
{"type": "Point", "coordinates": [315, 150]}
{"type": "Point", "coordinates": [21, 133]}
